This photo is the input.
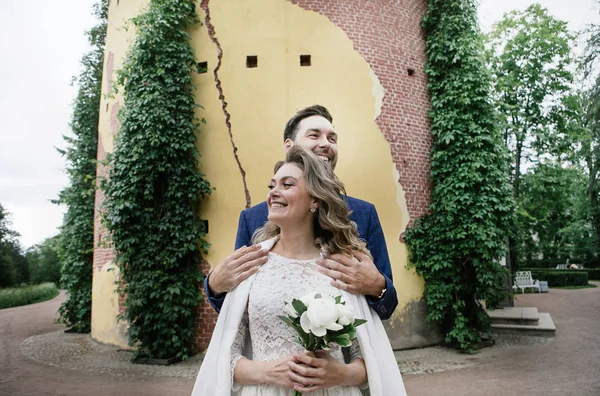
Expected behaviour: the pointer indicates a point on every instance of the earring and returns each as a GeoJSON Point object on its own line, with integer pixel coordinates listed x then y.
{"type": "Point", "coordinates": [313, 210]}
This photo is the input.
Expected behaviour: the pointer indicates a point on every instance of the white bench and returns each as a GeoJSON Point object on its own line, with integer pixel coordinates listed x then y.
{"type": "Point", "coordinates": [523, 280]}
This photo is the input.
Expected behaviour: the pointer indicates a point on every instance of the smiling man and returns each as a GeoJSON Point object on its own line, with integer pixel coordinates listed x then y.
{"type": "Point", "coordinates": [312, 128]}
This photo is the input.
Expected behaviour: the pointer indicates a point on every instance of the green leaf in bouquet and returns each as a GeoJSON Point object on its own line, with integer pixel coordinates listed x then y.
{"type": "Point", "coordinates": [323, 344]}
{"type": "Point", "coordinates": [351, 332]}
{"type": "Point", "coordinates": [299, 306]}
{"type": "Point", "coordinates": [287, 320]}
{"type": "Point", "coordinates": [338, 300]}
{"type": "Point", "coordinates": [297, 328]}
{"type": "Point", "coordinates": [358, 322]}
{"type": "Point", "coordinates": [343, 340]}
{"type": "Point", "coordinates": [312, 342]}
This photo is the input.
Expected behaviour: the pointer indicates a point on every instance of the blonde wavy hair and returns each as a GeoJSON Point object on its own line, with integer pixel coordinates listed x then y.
{"type": "Point", "coordinates": [333, 229]}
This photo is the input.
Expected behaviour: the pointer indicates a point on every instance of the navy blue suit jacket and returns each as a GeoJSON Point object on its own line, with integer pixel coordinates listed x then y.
{"type": "Point", "coordinates": [364, 215]}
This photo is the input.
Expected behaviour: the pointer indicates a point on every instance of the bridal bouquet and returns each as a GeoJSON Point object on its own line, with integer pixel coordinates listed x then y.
{"type": "Point", "coordinates": [320, 320]}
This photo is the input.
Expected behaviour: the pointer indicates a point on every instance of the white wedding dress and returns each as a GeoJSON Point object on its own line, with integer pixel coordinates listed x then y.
{"type": "Point", "coordinates": [278, 281]}
{"type": "Point", "coordinates": [252, 309]}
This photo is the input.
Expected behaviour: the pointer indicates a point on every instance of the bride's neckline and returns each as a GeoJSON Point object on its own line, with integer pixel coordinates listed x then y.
{"type": "Point", "coordinates": [293, 259]}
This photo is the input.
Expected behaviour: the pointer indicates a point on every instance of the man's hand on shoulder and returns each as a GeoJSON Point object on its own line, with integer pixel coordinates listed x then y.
{"type": "Point", "coordinates": [236, 268]}
{"type": "Point", "coordinates": [357, 274]}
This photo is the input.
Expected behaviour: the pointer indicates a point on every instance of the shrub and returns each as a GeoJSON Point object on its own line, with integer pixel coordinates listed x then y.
{"type": "Point", "coordinates": [457, 246]}
{"type": "Point", "coordinates": [18, 296]}
{"type": "Point", "coordinates": [593, 273]}
{"type": "Point", "coordinates": [561, 277]}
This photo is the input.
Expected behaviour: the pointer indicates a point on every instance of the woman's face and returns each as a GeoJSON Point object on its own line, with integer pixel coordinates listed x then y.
{"type": "Point", "coordinates": [288, 200]}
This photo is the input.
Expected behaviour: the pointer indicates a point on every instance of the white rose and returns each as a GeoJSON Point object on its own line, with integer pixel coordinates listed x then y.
{"type": "Point", "coordinates": [321, 315]}
{"type": "Point", "coordinates": [307, 299]}
{"type": "Point", "coordinates": [346, 314]}
{"type": "Point", "coordinates": [289, 309]}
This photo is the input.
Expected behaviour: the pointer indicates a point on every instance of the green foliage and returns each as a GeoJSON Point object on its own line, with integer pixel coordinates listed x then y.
{"type": "Point", "coordinates": [15, 297]}
{"type": "Point", "coordinates": [561, 277]}
{"type": "Point", "coordinates": [154, 189]}
{"type": "Point", "coordinates": [43, 262]}
{"type": "Point", "coordinates": [593, 273]}
{"type": "Point", "coordinates": [588, 152]}
{"type": "Point", "coordinates": [13, 266]}
{"type": "Point", "coordinates": [76, 242]}
{"type": "Point", "coordinates": [458, 246]}
{"type": "Point", "coordinates": [530, 57]}
{"type": "Point", "coordinates": [554, 217]}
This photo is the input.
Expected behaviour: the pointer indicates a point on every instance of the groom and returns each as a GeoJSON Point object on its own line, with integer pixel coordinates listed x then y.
{"type": "Point", "coordinates": [311, 127]}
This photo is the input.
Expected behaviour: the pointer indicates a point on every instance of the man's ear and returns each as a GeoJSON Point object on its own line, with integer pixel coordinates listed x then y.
{"type": "Point", "coordinates": [287, 144]}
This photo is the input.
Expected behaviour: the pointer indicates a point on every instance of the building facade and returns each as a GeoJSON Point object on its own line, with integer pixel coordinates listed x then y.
{"type": "Point", "coordinates": [265, 59]}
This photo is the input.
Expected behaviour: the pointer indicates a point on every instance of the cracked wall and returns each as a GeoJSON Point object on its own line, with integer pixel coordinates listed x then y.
{"type": "Point", "coordinates": [246, 109]}
{"type": "Point", "coordinates": [261, 99]}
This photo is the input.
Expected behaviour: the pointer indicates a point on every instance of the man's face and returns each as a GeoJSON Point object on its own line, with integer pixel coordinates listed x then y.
{"type": "Point", "coordinates": [317, 134]}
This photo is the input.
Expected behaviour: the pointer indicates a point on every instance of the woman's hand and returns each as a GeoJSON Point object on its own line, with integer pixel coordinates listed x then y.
{"type": "Point", "coordinates": [314, 371]}
{"type": "Point", "coordinates": [276, 372]}
{"type": "Point", "coordinates": [252, 372]}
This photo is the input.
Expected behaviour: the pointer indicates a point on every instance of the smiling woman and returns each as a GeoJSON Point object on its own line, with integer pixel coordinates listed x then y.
{"type": "Point", "coordinates": [308, 219]}
{"type": "Point", "coordinates": [306, 192]}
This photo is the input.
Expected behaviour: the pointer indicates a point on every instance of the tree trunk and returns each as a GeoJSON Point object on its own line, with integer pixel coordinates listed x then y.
{"type": "Point", "coordinates": [517, 178]}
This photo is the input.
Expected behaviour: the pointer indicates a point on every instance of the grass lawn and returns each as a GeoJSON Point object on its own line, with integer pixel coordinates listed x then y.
{"type": "Point", "coordinates": [14, 297]}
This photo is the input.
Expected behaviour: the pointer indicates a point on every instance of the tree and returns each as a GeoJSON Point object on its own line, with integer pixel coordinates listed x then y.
{"type": "Point", "coordinates": [458, 246]}
{"type": "Point", "coordinates": [43, 261]}
{"type": "Point", "coordinates": [554, 216]}
{"type": "Point", "coordinates": [76, 242]}
{"type": "Point", "coordinates": [529, 54]}
{"type": "Point", "coordinates": [13, 266]}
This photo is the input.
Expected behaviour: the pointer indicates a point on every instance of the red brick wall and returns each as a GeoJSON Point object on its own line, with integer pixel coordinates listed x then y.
{"type": "Point", "coordinates": [206, 317]}
{"type": "Point", "coordinates": [103, 252]}
{"type": "Point", "coordinates": [388, 35]}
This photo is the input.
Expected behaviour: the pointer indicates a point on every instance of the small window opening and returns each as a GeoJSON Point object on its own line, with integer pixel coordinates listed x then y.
{"type": "Point", "coordinates": [202, 67]}
{"type": "Point", "coordinates": [410, 71]}
{"type": "Point", "coordinates": [304, 60]}
{"type": "Point", "coordinates": [107, 107]}
{"type": "Point", "coordinates": [251, 61]}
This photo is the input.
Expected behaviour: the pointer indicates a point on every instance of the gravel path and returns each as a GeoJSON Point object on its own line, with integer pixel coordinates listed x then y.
{"type": "Point", "coordinates": [38, 358]}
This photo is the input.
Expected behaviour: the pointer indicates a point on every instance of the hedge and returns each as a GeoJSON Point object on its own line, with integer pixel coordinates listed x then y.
{"type": "Point", "coordinates": [593, 273]}
{"type": "Point", "coordinates": [560, 277]}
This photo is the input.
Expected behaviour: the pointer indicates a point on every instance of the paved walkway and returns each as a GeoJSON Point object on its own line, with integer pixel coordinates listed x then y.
{"type": "Point", "coordinates": [38, 358]}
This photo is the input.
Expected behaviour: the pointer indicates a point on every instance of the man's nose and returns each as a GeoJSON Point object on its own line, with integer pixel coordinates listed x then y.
{"type": "Point", "coordinates": [324, 142]}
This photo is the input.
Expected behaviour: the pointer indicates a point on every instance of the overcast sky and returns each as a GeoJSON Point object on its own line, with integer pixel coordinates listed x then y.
{"type": "Point", "coordinates": [41, 44]}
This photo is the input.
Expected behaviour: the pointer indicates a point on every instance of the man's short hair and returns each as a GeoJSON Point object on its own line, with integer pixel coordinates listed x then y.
{"type": "Point", "coordinates": [291, 128]}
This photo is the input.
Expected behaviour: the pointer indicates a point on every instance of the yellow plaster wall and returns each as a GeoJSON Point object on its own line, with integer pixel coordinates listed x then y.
{"type": "Point", "coordinates": [260, 100]}
{"type": "Point", "coordinates": [105, 308]}
{"type": "Point", "coordinates": [120, 33]}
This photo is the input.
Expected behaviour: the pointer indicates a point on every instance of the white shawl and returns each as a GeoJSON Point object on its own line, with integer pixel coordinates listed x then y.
{"type": "Point", "coordinates": [214, 377]}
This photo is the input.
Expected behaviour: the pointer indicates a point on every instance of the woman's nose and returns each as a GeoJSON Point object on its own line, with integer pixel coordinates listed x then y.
{"type": "Point", "coordinates": [274, 192]}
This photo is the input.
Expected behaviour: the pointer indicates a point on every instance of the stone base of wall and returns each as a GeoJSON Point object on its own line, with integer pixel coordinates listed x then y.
{"type": "Point", "coordinates": [409, 329]}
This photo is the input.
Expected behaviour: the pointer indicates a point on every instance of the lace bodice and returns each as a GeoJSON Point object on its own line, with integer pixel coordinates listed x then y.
{"type": "Point", "coordinates": [280, 280]}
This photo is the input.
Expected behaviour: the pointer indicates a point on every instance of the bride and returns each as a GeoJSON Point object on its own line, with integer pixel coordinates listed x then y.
{"type": "Point", "coordinates": [252, 352]}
